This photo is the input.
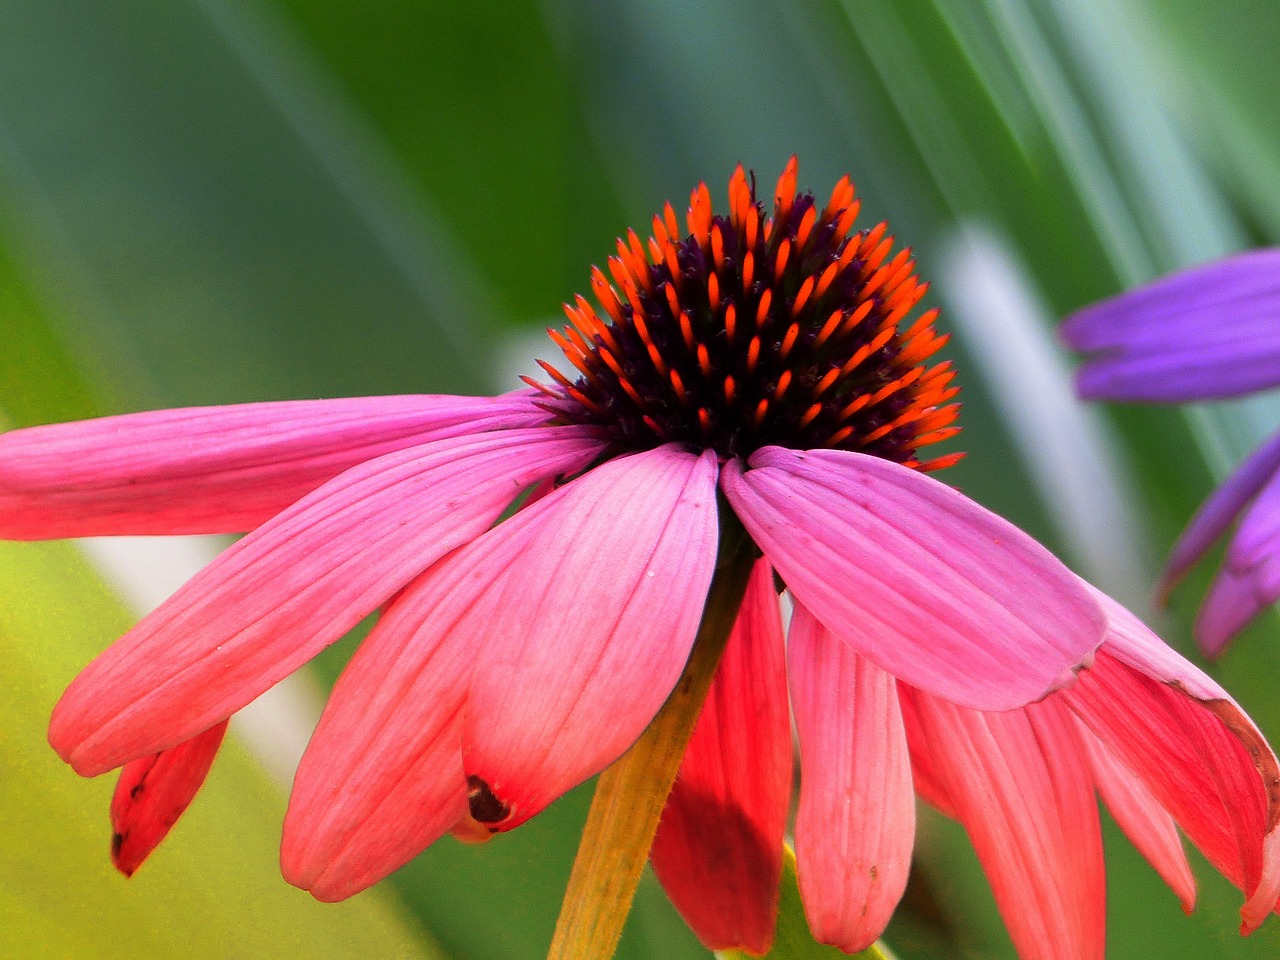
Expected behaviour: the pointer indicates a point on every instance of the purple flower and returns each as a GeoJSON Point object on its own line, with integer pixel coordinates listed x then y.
{"type": "Point", "coordinates": [1209, 332]}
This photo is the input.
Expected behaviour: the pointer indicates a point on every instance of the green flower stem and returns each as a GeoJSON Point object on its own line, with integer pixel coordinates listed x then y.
{"type": "Point", "coordinates": [631, 793]}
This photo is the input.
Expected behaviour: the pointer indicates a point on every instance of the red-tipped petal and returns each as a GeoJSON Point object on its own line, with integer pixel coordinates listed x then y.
{"type": "Point", "coordinates": [587, 635]}
{"type": "Point", "coordinates": [215, 469]}
{"type": "Point", "coordinates": [1021, 786]}
{"type": "Point", "coordinates": [153, 792]}
{"type": "Point", "coordinates": [919, 579]}
{"type": "Point", "coordinates": [1147, 824]}
{"type": "Point", "coordinates": [276, 598]}
{"type": "Point", "coordinates": [1193, 747]}
{"type": "Point", "coordinates": [856, 824]}
{"type": "Point", "coordinates": [718, 851]}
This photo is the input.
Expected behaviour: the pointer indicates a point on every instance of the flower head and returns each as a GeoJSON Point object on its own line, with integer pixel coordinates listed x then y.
{"type": "Point", "coordinates": [754, 397]}
{"type": "Point", "coordinates": [1206, 333]}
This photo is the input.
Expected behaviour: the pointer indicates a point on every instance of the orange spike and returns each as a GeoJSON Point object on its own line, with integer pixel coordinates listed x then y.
{"type": "Point", "coordinates": [655, 251]}
{"type": "Point", "coordinates": [672, 260]}
{"type": "Point", "coordinates": [686, 328]}
{"type": "Point", "coordinates": [748, 270]}
{"type": "Point", "coordinates": [828, 275]}
{"type": "Point", "coordinates": [730, 389]}
{"type": "Point", "coordinates": [867, 349]}
{"type": "Point", "coordinates": [556, 375]}
{"type": "Point", "coordinates": [841, 196]}
{"type": "Point", "coordinates": [848, 218]}
{"type": "Point", "coordinates": [717, 247]}
{"type": "Point", "coordinates": [563, 343]}
{"type": "Point", "coordinates": [802, 297]}
{"type": "Point", "coordinates": [652, 424]}
{"type": "Point", "coordinates": [618, 269]}
{"type": "Point", "coordinates": [753, 229]}
{"type": "Point", "coordinates": [828, 378]}
{"type": "Point", "coordinates": [806, 226]}
{"type": "Point", "coordinates": [937, 436]}
{"type": "Point", "coordinates": [859, 314]}
{"type": "Point", "coordinates": [660, 228]}
{"type": "Point", "coordinates": [606, 295]}
{"type": "Point", "coordinates": [642, 327]}
{"type": "Point", "coordinates": [612, 363]}
{"type": "Point", "coordinates": [730, 321]}
{"type": "Point", "coordinates": [699, 215]}
{"type": "Point", "coordinates": [713, 291]}
{"type": "Point", "coordinates": [839, 437]}
{"type": "Point", "coordinates": [858, 402]}
{"type": "Point", "coordinates": [677, 384]}
{"type": "Point", "coordinates": [673, 226]}
{"type": "Point", "coordinates": [784, 381]}
{"type": "Point", "coordinates": [761, 409]}
{"type": "Point", "coordinates": [704, 419]}
{"type": "Point", "coordinates": [924, 320]}
{"type": "Point", "coordinates": [631, 392]}
{"type": "Point", "coordinates": [673, 301]}
{"type": "Point", "coordinates": [828, 328]}
{"type": "Point", "coordinates": [780, 261]}
{"type": "Point", "coordinates": [658, 363]}
{"type": "Point", "coordinates": [872, 238]}
{"type": "Point", "coordinates": [762, 308]}
{"type": "Point", "coordinates": [922, 348]}
{"type": "Point", "coordinates": [940, 463]}
{"type": "Point", "coordinates": [539, 386]}
{"type": "Point", "coordinates": [753, 354]}
{"type": "Point", "coordinates": [786, 190]}
{"type": "Point", "coordinates": [704, 360]}
{"type": "Point", "coordinates": [789, 341]}
{"type": "Point", "coordinates": [810, 415]}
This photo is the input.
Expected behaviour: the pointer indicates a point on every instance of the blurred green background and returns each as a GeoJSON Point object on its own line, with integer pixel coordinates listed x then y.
{"type": "Point", "coordinates": [206, 201]}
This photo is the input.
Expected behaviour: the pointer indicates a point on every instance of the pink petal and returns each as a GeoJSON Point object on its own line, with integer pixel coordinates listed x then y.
{"type": "Point", "coordinates": [276, 598]}
{"type": "Point", "coordinates": [922, 581]}
{"type": "Point", "coordinates": [1021, 786]}
{"type": "Point", "coordinates": [1192, 746]}
{"type": "Point", "coordinates": [153, 792]}
{"type": "Point", "coordinates": [382, 777]}
{"type": "Point", "coordinates": [1147, 824]}
{"type": "Point", "coordinates": [1216, 514]}
{"type": "Point", "coordinates": [856, 823]}
{"type": "Point", "coordinates": [718, 851]}
{"type": "Point", "coordinates": [215, 469]}
{"type": "Point", "coordinates": [587, 636]}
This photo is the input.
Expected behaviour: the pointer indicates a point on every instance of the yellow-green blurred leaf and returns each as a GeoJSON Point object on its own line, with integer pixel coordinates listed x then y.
{"type": "Point", "coordinates": [213, 889]}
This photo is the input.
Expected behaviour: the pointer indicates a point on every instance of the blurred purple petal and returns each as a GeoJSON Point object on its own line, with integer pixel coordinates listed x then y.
{"type": "Point", "coordinates": [1220, 509]}
{"type": "Point", "coordinates": [1249, 580]}
{"type": "Point", "coordinates": [1210, 331]}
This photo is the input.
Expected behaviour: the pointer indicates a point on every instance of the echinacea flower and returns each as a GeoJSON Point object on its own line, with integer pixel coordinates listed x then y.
{"type": "Point", "coordinates": [748, 410]}
{"type": "Point", "coordinates": [1207, 333]}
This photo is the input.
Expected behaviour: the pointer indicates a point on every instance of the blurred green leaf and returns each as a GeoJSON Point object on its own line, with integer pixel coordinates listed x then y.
{"type": "Point", "coordinates": [792, 940]}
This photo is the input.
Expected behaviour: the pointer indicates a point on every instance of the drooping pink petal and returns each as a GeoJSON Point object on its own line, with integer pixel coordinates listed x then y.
{"type": "Point", "coordinates": [587, 636]}
{"type": "Point", "coordinates": [1147, 824]}
{"type": "Point", "coordinates": [718, 851]}
{"type": "Point", "coordinates": [153, 792]}
{"type": "Point", "coordinates": [1249, 580]}
{"type": "Point", "coordinates": [1022, 789]}
{"type": "Point", "coordinates": [1193, 747]}
{"type": "Point", "coordinates": [274, 599]}
{"type": "Point", "coordinates": [856, 823]}
{"type": "Point", "coordinates": [1207, 332]}
{"type": "Point", "coordinates": [922, 581]}
{"type": "Point", "coordinates": [215, 469]}
{"type": "Point", "coordinates": [382, 778]}
{"type": "Point", "coordinates": [1216, 514]}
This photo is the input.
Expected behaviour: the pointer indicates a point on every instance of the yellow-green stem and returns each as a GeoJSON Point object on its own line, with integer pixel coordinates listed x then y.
{"type": "Point", "coordinates": [630, 794]}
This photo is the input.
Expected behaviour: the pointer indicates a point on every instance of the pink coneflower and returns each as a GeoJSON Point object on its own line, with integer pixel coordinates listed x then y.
{"type": "Point", "coordinates": [1206, 333]}
{"type": "Point", "coordinates": [749, 410]}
